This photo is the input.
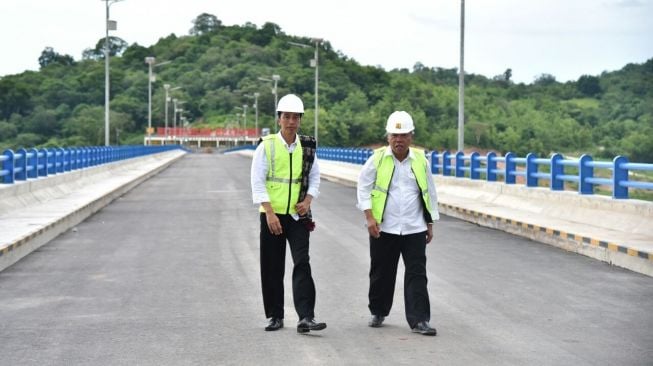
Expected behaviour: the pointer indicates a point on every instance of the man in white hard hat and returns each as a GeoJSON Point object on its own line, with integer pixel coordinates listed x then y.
{"type": "Point", "coordinates": [397, 194]}
{"type": "Point", "coordinates": [285, 178]}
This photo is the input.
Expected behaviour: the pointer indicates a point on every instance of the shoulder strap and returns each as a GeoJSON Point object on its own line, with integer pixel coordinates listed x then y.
{"type": "Point", "coordinates": [308, 147]}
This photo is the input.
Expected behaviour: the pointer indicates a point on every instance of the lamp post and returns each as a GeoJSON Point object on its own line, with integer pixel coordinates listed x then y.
{"type": "Point", "coordinates": [461, 81]}
{"type": "Point", "coordinates": [275, 79]}
{"type": "Point", "coordinates": [176, 102]}
{"type": "Point", "coordinates": [174, 115]}
{"type": "Point", "coordinates": [150, 61]}
{"type": "Point", "coordinates": [165, 130]}
{"type": "Point", "coordinates": [255, 106]}
{"type": "Point", "coordinates": [245, 119]}
{"type": "Point", "coordinates": [168, 89]}
{"type": "Point", "coordinates": [314, 63]}
{"type": "Point", "coordinates": [256, 112]}
{"type": "Point", "coordinates": [110, 25]}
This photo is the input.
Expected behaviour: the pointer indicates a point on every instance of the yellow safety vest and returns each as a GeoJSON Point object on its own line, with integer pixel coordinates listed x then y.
{"type": "Point", "coordinates": [283, 181]}
{"type": "Point", "coordinates": [385, 168]}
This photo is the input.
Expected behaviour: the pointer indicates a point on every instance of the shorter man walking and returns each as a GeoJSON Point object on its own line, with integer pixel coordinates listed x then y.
{"type": "Point", "coordinates": [397, 194]}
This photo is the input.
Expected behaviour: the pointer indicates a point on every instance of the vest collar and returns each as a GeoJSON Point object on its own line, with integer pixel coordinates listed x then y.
{"type": "Point", "coordinates": [294, 143]}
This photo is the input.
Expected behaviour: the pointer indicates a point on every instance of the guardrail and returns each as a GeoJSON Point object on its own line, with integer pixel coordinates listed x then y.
{"type": "Point", "coordinates": [476, 166]}
{"type": "Point", "coordinates": [34, 163]}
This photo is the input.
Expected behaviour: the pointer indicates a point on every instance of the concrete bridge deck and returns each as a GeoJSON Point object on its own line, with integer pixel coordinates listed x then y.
{"type": "Point", "coordinates": [168, 274]}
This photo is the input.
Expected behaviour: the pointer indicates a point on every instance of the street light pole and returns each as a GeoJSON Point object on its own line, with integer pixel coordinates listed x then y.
{"type": "Point", "coordinates": [109, 25]}
{"type": "Point", "coordinates": [150, 61]}
{"type": "Point", "coordinates": [168, 90]}
{"type": "Point", "coordinates": [461, 81]}
{"type": "Point", "coordinates": [245, 119]}
{"type": "Point", "coordinates": [314, 63]}
{"type": "Point", "coordinates": [176, 103]}
{"type": "Point", "coordinates": [317, 110]}
{"type": "Point", "coordinates": [256, 111]}
{"type": "Point", "coordinates": [275, 79]}
{"type": "Point", "coordinates": [174, 115]}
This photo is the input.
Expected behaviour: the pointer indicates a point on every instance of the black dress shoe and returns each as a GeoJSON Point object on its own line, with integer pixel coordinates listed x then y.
{"type": "Point", "coordinates": [424, 328]}
{"type": "Point", "coordinates": [274, 324]}
{"type": "Point", "coordinates": [376, 321]}
{"type": "Point", "coordinates": [307, 324]}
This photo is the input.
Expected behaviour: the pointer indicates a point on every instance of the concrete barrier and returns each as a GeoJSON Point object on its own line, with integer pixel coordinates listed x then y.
{"type": "Point", "coordinates": [36, 211]}
{"type": "Point", "coordinates": [619, 232]}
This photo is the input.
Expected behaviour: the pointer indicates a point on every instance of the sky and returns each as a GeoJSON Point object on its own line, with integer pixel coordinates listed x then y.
{"type": "Point", "coordinates": [564, 38]}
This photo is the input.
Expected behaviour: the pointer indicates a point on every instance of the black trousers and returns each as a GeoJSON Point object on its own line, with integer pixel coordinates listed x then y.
{"type": "Point", "coordinates": [384, 253]}
{"type": "Point", "coordinates": [273, 259]}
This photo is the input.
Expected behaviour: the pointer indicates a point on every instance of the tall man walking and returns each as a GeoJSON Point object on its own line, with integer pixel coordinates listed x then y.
{"type": "Point", "coordinates": [397, 194]}
{"type": "Point", "coordinates": [285, 178]}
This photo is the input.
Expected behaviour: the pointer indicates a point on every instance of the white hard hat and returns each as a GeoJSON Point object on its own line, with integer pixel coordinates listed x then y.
{"type": "Point", "coordinates": [290, 103]}
{"type": "Point", "coordinates": [400, 122]}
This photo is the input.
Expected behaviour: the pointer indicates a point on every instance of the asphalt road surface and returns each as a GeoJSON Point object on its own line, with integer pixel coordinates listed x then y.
{"type": "Point", "coordinates": [169, 275]}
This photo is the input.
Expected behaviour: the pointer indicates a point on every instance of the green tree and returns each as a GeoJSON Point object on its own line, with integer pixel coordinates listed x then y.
{"type": "Point", "coordinates": [588, 85]}
{"type": "Point", "coordinates": [49, 56]}
{"type": "Point", "coordinates": [205, 23]}
{"type": "Point", "coordinates": [7, 130]}
{"type": "Point", "coordinates": [15, 97]}
{"type": "Point", "coordinates": [27, 140]}
{"type": "Point", "coordinates": [117, 46]}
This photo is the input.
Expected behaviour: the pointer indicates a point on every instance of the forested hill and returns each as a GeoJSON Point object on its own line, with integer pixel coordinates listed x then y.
{"type": "Point", "coordinates": [217, 66]}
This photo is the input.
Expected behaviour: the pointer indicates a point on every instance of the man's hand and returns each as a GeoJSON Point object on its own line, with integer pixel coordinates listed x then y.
{"type": "Point", "coordinates": [304, 206]}
{"type": "Point", "coordinates": [273, 223]}
{"type": "Point", "coordinates": [373, 227]}
{"type": "Point", "coordinates": [429, 233]}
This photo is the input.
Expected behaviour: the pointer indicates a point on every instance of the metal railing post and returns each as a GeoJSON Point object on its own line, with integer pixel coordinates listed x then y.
{"type": "Point", "coordinates": [619, 175]}
{"type": "Point", "coordinates": [434, 162]}
{"type": "Point", "coordinates": [511, 167]}
{"type": "Point", "coordinates": [8, 166]}
{"type": "Point", "coordinates": [460, 163]}
{"type": "Point", "coordinates": [474, 165]}
{"type": "Point", "coordinates": [491, 176]}
{"type": "Point", "coordinates": [21, 163]}
{"type": "Point", "coordinates": [585, 171]}
{"type": "Point", "coordinates": [557, 169]}
{"type": "Point", "coordinates": [531, 169]}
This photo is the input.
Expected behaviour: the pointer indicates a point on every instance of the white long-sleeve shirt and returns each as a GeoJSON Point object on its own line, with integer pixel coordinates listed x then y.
{"type": "Point", "coordinates": [404, 213]}
{"type": "Point", "coordinates": [259, 172]}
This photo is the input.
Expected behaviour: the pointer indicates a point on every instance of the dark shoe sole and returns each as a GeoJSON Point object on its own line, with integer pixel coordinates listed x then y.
{"type": "Point", "coordinates": [425, 332]}
{"type": "Point", "coordinates": [375, 325]}
{"type": "Point", "coordinates": [318, 326]}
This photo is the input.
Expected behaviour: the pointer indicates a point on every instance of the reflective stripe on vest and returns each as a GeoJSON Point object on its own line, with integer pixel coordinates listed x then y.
{"type": "Point", "coordinates": [385, 168]}
{"type": "Point", "coordinates": [283, 181]}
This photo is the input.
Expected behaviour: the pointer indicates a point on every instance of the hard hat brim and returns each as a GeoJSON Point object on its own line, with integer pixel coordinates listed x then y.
{"type": "Point", "coordinates": [399, 130]}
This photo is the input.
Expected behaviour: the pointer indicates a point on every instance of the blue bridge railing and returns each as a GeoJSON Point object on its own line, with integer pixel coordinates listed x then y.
{"type": "Point", "coordinates": [35, 163]}
{"type": "Point", "coordinates": [533, 169]}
